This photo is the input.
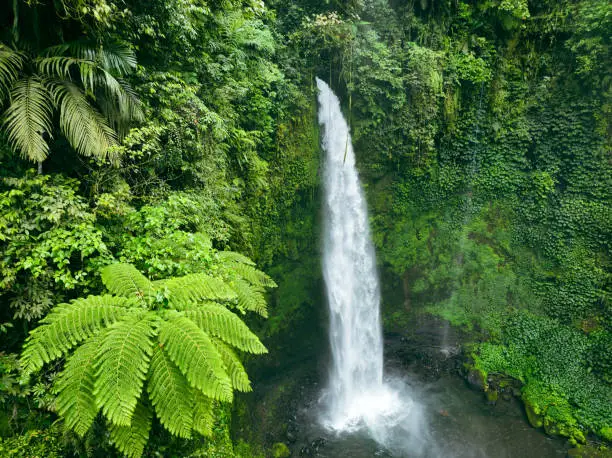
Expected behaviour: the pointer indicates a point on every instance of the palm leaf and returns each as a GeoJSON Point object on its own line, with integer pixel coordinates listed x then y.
{"type": "Point", "coordinates": [85, 128]}
{"type": "Point", "coordinates": [113, 57]}
{"type": "Point", "coordinates": [122, 364]}
{"type": "Point", "coordinates": [75, 400]}
{"type": "Point", "coordinates": [28, 118]}
{"type": "Point", "coordinates": [203, 418]}
{"type": "Point", "coordinates": [131, 440]}
{"type": "Point", "coordinates": [67, 325]}
{"type": "Point", "coordinates": [11, 63]}
{"type": "Point", "coordinates": [125, 280]}
{"type": "Point", "coordinates": [193, 352]}
{"type": "Point", "coordinates": [218, 321]}
{"type": "Point", "coordinates": [171, 395]}
{"type": "Point", "coordinates": [233, 365]}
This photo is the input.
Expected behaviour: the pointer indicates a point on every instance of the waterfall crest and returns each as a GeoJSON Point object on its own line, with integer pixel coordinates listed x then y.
{"type": "Point", "coordinates": [357, 397]}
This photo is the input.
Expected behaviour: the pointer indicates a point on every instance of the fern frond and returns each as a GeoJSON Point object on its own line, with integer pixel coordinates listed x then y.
{"type": "Point", "coordinates": [191, 349]}
{"type": "Point", "coordinates": [203, 418]}
{"type": "Point", "coordinates": [218, 321]}
{"type": "Point", "coordinates": [85, 128]}
{"type": "Point", "coordinates": [69, 324]}
{"type": "Point", "coordinates": [131, 440]}
{"type": "Point", "coordinates": [61, 67]}
{"type": "Point", "coordinates": [122, 364]}
{"type": "Point", "coordinates": [196, 288]}
{"type": "Point", "coordinates": [251, 274]}
{"type": "Point", "coordinates": [171, 395]}
{"type": "Point", "coordinates": [125, 280]}
{"type": "Point", "coordinates": [11, 63]}
{"type": "Point", "coordinates": [75, 400]}
{"type": "Point", "coordinates": [233, 257]}
{"type": "Point", "coordinates": [233, 365]}
{"type": "Point", "coordinates": [28, 118]}
{"type": "Point", "coordinates": [250, 297]}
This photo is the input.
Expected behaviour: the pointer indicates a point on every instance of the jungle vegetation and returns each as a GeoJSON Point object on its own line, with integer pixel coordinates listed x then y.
{"type": "Point", "coordinates": [158, 156]}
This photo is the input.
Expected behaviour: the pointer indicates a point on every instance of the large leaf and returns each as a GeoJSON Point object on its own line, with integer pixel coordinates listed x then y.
{"type": "Point", "coordinates": [196, 288]}
{"type": "Point", "coordinates": [171, 395]}
{"type": "Point", "coordinates": [233, 365]}
{"type": "Point", "coordinates": [203, 418]}
{"type": "Point", "coordinates": [75, 400]}
{"type": "Point", "coordinates": [11, 63]}
{"type": "Point", "coordinates": [69, 324]}
{"type": "Point", "coordinates": [28, 118]}
{"type": "Point", "coordinates": [192, 350]}
{"type": "Point", "coordinates": [125, 280]}
{"type": "Point", "coordinates": [131, 440]}
{"type": "Point", "coordinates": [85, 128]}
{"type": "Point", "coordinates": [218, 321]}
{"type": "Point", "coordinates": [122, 365]}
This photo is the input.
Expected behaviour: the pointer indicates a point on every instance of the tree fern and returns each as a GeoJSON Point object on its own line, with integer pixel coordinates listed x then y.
{"type": "Point", "coordinates": [228, 257]}
{"type": "Point", "coordinates": [195, 288]}
{"type": "Point", "coordinates": [203, 417]}
{"type": "Point", "coordinates": [68, 325]}
{"type": "Point", "coordinates": [218, 321]}
{"type": "Point", "coordinates": [171, 395]}
{"type": "Point", "coordinates": [250, 297]}
{"type": "Point", "coordinates": [233, 366]}
{"type": "Point", "coordinates": [121, 366]}
{"type": "Point", "coordinates": [193, 352]}
{"type": "Point", "coordinates": [75, 388]}
{"type": "Point", "coordinates": [169, 335]}
{"type": "Point", "coordinates": [251, 274]}
{"type": "Point", "coordinates": [125, 280]}
{"type": "Point", "coordinates": [132, 439]}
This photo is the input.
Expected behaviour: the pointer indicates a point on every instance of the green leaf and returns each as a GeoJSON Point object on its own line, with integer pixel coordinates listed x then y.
{"type": "Point", "coordinates": [75, 400]}
{"type": "Point", "coordinates": [122, 365]}
{"type": "Point", "coordinates": [196, 288]}
{"type": "Point", "coordinates": [218, 321]}
{"type": "Point", "coordinates": [69, 324]}
{"type": "Point", "coordinates": [203, 418]}
{"type": "Point", "coordinates": [28, 118]}
{"type": "Point", "coordinates": [171, 395]}
{"type": "Point", "coordinates": [11, 63]}
{"type": "Point", "coordinates": [125, 280]}
{"type": "Point", "coordinates": [233, 365]}
{"type": "Point", "coordinates": [132, 439]}
{"type": "Point", "coordinates": [193, 352]}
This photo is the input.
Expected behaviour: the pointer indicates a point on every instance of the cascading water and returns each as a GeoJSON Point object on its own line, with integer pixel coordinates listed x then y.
{"type": "Point", "coordinates": [357, 396]}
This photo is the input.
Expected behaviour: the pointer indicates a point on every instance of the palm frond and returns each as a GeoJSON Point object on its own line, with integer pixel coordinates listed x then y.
{"type": "Point", "coordinates": [62, 67]}
{"type": "Point", "coordinates": [122, 364]}
{"type": "Point", "coordinates": [75, 400]}
{"type": "Point", "coordinates": [203, 418]}
{"type": "Point", "coordinates": [125, 280]}
{"type": "Point", "coordinates": [233, 365]}
{"type": "Point", "coordinates": [217, 321]}
{"type": "Point", "coordinates": [171, 395]}
{"type": "Point", "coordinates": [131, 440]}
{"type": "Point", "coordinates": [11, 63]}
{"type": "Point", "coordinates": [113, 57]}
{"type": "Point", "coordinates": [85, 128]}
{"type": "Point", "coordinates": [69, 324]}
{"type": "Point", "coordinates": [193, 352]}
{"type": "Point", "coordinates": [28, 118]}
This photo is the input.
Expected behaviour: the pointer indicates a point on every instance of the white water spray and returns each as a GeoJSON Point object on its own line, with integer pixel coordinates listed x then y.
{"type": "Point", "coordinates": [357, 397]}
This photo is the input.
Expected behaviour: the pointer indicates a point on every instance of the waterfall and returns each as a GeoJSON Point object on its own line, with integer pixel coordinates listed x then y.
{"type": "Point", "coordinates": [357, 396]}
{"type": "Point", "coordinates": [349, 270]}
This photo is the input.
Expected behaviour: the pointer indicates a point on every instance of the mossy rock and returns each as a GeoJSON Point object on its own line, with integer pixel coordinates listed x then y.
{"type": "Point", "coordinates": [533, 415]}
{"type": "Point", "coordinates": [280, 450]}
{"type": "Point", "coordinates": [586, 451]}
{"type": "Point", "coordinates": [477, 378]}
{"type": "Point", "coordinates": [492, 396]}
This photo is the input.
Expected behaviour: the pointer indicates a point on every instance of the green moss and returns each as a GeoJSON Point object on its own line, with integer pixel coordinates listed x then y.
{"type": "Point", "coordinates": [280, 450]}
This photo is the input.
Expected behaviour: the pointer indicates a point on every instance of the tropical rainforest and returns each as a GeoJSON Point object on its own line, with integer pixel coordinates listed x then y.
{"type": "Point", "coordinates": [160, 207]}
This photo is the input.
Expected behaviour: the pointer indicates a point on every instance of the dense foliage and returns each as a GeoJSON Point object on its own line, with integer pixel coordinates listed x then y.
{"type": "Point", "coordinates": [171, 135]}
